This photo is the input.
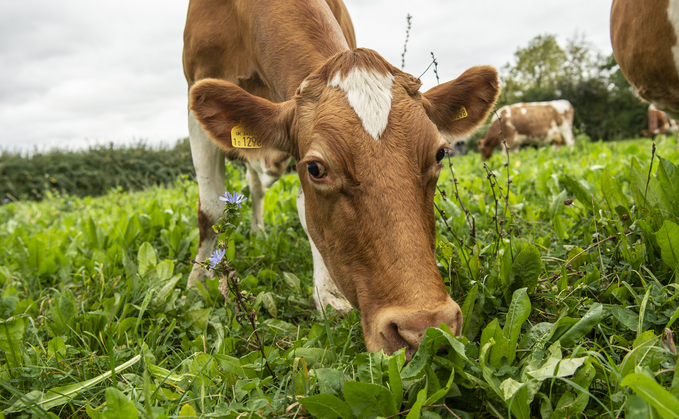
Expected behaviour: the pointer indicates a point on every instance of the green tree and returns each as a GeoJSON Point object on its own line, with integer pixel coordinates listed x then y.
{"type": "Point", "coordinates": [606, 107]}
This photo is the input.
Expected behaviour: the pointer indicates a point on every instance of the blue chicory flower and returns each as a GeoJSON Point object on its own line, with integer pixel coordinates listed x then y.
{"type": "Point", "coordinates": [236, 198]}
{"type": "Point", "coordinates": [216, 257]}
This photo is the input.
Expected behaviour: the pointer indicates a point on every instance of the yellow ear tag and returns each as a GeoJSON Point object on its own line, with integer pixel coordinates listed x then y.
{"type": "Point", "coordinates": [240, 138]}
{"type": "Point", "coordinates": [460, 114]}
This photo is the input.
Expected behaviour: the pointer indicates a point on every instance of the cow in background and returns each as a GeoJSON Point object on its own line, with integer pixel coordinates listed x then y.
{"type": "Point", "coordinates": [644, 36]}
{"type": "Point", "coordinates": [536, 123]}
{"type": "Point", "coordinates": [659, 123]}
{"type": "Point", "coordinates": [368, 146]}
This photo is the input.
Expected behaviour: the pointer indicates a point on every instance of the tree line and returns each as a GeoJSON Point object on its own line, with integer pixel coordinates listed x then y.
{"type": "Point", "coordinates": [606, 106]}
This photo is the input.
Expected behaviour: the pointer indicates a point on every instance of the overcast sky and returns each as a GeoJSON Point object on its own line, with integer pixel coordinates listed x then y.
{"type": "Point", "coordinates": [75, 73]}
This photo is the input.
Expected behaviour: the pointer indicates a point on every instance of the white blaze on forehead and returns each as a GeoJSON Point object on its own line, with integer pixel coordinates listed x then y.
{"type": "Point", "coordinates": [369, 94]}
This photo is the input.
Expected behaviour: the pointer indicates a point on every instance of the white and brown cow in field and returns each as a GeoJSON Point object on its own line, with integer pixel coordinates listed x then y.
{"type": "Point", "coordinates": [645, 39]}
{"type": "Point", "coordinates": [659, 123]}
{"type": "Point", "coordinates": [368, 146]}
{"type": "Point", "coordinates": [535, 123]}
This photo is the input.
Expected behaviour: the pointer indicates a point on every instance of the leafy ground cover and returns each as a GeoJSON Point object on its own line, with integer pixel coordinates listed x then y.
{"type": "Point", "coordinates": [566, 274]}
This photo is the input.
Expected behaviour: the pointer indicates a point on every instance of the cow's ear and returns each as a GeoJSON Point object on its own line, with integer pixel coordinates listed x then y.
{"type": "Point", "coordinates": [459, 106]}
{"type": "Point", "coordinates": [220, 106]}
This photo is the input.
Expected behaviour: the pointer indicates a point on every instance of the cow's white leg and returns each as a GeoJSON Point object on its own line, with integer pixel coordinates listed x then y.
{"type": "Point", "coordinates": [257, 191]}
{"type": "Point", "coordinates": [567, 133]}
{"type": "Point", "coordinates": [208, 161]}
{"type": "Point", "coordinates": [325, 290]}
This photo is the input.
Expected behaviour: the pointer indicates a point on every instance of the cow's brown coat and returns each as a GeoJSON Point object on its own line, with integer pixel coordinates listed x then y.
{"type": "Point", "coordinates": [372, 216]}
{"type": "Point", "coordinates": [642, 36]}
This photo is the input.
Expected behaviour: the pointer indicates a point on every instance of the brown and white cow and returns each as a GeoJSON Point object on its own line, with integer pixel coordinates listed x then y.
{"type": "Point", "coordinates": [659, 123]}
{"type": "Point", "coordinates": [535, 123]}
{"type": "Point", "coordinates": [645, 39]}
{"type": "Point", "coordinates": [368, 147]}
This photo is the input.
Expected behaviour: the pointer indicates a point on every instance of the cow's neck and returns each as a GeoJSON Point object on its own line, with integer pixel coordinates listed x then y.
{"type": "Point", "coordinates": [289, 49]}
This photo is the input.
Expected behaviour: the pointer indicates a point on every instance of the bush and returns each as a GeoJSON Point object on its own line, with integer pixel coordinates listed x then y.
{"type": "Point", "coordinates": [92, 172]}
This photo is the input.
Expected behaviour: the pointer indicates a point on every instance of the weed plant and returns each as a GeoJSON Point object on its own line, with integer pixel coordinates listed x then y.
{"type": "Point", "coordinates": [564, 262]}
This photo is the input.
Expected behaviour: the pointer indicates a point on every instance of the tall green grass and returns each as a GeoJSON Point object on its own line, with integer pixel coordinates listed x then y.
{"type": "Point", "coordinates": [570, 302]}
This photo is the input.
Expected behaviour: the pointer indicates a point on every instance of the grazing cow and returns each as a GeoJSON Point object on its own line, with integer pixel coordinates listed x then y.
{"type": "Point", "coordinates": [536, 123]}
{"type": "Point", "coordinates": [645, 39]}
{"type": "Point", "coordinates": [659, 123]}
{"type": "Point", "coordinates": [367, 143]}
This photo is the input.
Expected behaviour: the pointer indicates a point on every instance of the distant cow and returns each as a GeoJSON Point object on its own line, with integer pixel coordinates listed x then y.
{"type": "Point", "coordinates": [270, 79]}
{"type": "Point", "coordinates": [644, 35]}
{"type": "Point", "coordinates": [536, 123]}
{"type": "Point", "coordinates": [659, 123]}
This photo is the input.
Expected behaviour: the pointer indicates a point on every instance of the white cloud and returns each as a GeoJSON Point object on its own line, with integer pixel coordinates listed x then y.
{"type": "Point", "coordinates": [77, 72]}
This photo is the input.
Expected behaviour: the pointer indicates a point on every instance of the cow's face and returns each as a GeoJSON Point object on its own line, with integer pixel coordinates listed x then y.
{"type": "Point", "coordinates": [486, 148]}
{"type": "Point", "coordinates": [368, 151]}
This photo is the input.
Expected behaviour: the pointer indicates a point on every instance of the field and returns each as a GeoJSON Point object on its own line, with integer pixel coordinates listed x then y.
{"type": "Point", "coordinates": [567, 278]}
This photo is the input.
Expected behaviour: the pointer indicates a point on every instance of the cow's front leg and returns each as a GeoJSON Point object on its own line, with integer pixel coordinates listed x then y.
{"type": "Point", "coordinates": [208, 161]}
{"type": "Point", "coordinates": [261, 175]}
{"type": "Point", "coordinates": [325, 290]}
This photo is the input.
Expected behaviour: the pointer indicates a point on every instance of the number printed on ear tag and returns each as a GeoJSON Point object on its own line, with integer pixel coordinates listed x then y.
{"type": "Point", "coordinates": [460, 114]}
{"type": "Point", "coordinates": [241, 138]}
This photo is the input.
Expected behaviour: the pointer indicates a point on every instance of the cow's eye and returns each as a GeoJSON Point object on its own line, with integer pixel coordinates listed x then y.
{"type": "Point", "coordinates": [440, 155]}
{"type": "Point", "coordinates": [316, 170]}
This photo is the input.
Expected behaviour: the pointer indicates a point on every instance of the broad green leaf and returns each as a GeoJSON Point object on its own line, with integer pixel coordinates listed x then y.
{"type": "Point", "coordinates": [416, 410]}
{"type": "Point", "coordinates": [577, 257]}
{"type": "Point", "coordinates": [649, 188]}
{"type": "Point", "coordinates": [146, 258]}
{"type": "Point", "coordinates": [56, 347]}
{"type": "Point", "coordinates": [369, 400]}
{"type": "Point", "coordinates": [516, 395]}
{"type": "Point", "coordinates": [557, 204]}
{"type": "Point", "coordinates": [468, 308]}
{"type": "Point", "coordinates": [568, 366]}
{"type": "Point", "coordinates": [118, 406]}
{"type": "Point", "coordinates": [583, 326]}
{"type": "Point", "coordinates": [280, 326]}
{"type": "Point", "coordinates": [292, 281]}
{"type": "Point", "coordinates": [526, 268]}
{"type": "Point", "coordinates": [187, 411]}
{"type": "Point", "coordinates": [11, 335]}
{"type": "Point", "coordinates": [447, 251]}
{"type": "Point", "coordinates": [330, 381]}
{"type": "Point", "coordinates": [269, 303]}
{"type": "Point", "coordinates": [577, 189]}
{"type": "Point", "coordinates": [668, 239]}
{"type": "Point", "coordinates": [500, 346]}
{"type": "Point", "coordinates": [326, 406]}
{"type": "Point", "coordinates": [613, 193]}
{"type": "Point", "coordinates": [668, 176]}
{"type": "Point", "coordinates": [396, 362]}
{"type": "Point", "coordinates": [518, 312]}
{"type": "Point", "coordinates": [164, 270]}
{"type": "Point", "coordinates": [369, 367]}
{"type": "Point", "coordinates": [198, 317]}
{"type": "Point", "coordinates": [662, 400]}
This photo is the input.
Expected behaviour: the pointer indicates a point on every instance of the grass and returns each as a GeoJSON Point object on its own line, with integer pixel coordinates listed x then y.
{"type": "Point", "coordinates": [568, 286]}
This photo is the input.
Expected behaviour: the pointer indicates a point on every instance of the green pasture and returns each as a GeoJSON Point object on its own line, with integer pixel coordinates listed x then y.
{"type": "Point", "coordinates": [568, 286]}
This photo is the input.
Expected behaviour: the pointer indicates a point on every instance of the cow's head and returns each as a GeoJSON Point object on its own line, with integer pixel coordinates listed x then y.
{"type": "Point", "coordinates": [486, 147]}
{"type": "Point", "coordinates": [368, 147]}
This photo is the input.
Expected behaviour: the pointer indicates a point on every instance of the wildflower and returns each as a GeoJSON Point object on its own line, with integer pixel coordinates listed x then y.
{"type": "Point", "coordinates": [216, 257]}
{"type": "Point", "coordinates": [236, 198]}
{"type": "Point", "coordinates": [6, 200]}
